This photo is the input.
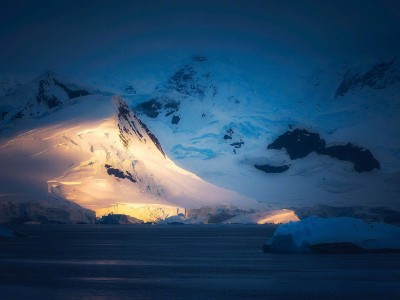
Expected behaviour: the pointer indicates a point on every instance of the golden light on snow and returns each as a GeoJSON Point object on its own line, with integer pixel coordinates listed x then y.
{"type": "Point", "coordinates": [110, 164]}
{"type": "Point", "coordinates": [145, 212]}
{"type": "Point", "coordinates": [279, 217]}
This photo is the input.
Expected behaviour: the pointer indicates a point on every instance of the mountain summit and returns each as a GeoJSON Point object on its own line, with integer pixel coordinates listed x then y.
{"type": "Point", "coordinates": [97, 153]}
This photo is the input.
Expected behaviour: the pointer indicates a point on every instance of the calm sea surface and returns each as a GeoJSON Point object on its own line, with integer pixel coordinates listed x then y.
{"type": "Point", "coordinates": [181, 262]}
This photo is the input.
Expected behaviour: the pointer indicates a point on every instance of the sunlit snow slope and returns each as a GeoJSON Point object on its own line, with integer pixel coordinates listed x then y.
{"type": "Point", "coordinates": [94, 151]}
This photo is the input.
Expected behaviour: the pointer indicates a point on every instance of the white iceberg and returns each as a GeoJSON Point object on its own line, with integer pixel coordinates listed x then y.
{"type": "Point", "coordinates": [334, 235]}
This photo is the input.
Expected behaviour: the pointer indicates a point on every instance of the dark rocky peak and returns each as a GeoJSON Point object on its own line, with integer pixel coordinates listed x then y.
{"type": "Point", "coordinates": [40, 95]}
{"type": "Point", "coordinates": [129, 124]}
{"type": "Point", "coordinates": [52, 92]}
{"type": "Point", "coordinates": [379, 76]}
{"type": "Point", "coordinates": [193, 79]}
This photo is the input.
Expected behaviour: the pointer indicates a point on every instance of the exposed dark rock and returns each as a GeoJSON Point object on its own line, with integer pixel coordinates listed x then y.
{"type": "Point", "coordinates": [362, 159]}
{"type": "Point", "coordinates": [237, 144]}
{"type": "Point", "coordinates": [124, 140]}
{"type": "Point", "coordinates": [153, 107]}
{"type": "Point", "coordinates": [171, 106]}
{"type": "Point", "coordinates": [228, 134]}
{"type": "Point", "coordinates": [152, 137]}
{"type": "Point", "coordinates": [272, 169]}
{"type": "Point", "coordinates": [184, 82]}
{"type": "Point", "coordinates": [188, 81]}
{"type": "Point", "coordinates": [52, 101]}
{"type": "Point", "coordinates": [377, 77]}
{"type": "Point", "coordinates": [175, 120]}
{"type": "Point", "coordinates": [42, 97]}
{"type": "Point", "coordinates": [118, 219]}
{"type": "Point", "coordinates": [300, 142]}
{"type": "Point", "coordinates": [119, 174]}
{"type": "Point", "coordinates": [150, 108]}
{"type": "Point", "coordinates": [235, 140]}
{"type": "Point", "coordinates": [125, 114]}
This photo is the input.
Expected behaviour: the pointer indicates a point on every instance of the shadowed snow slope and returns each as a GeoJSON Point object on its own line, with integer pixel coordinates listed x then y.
{"type": "Point", "coordinates": [97, 153]}
{"type": "Point", "coordinates": [216, 118]}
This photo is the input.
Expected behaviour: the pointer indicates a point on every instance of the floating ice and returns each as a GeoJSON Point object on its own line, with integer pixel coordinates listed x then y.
{"type": "Point", "coordinates": [334, 235]}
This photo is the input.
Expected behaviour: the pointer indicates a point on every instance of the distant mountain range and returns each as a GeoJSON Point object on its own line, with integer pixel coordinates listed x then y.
{"type": "Point", "coordinates": [329, 141]}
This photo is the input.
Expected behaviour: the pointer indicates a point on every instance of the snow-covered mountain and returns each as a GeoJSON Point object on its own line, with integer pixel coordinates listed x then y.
{"type": "Point", "coordinates": [7, 85]}
{"type": "Point", "coordinates": [35, 98]}
{"type": "Point", "coordinates": [221, 120]}
{"type": "Point", "coordinates": [93, 150]}
{"type": "Point", "coordinates": [319, 141]}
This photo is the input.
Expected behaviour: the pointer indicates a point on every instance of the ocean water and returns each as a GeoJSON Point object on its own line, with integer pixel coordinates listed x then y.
{"type": "Point", "coordinates": [181, 262]}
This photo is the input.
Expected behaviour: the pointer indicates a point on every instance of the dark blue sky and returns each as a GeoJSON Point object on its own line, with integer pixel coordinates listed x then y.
{"type": "Point", "coordinates": [87, 37]}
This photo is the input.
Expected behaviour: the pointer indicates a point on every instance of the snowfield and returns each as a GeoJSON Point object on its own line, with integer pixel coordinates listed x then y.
{"type": "Point", "coordinates": [230, 111]}
{"type": "Point", "coordinates": [204, 139]}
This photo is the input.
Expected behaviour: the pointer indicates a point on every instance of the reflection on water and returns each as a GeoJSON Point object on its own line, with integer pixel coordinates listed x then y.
{"type": "Point", "coordinates": [181, 262]}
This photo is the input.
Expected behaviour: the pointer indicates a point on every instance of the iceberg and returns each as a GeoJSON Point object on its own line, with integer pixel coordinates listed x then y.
{"type": "Point", "coordinates": [334, 235]}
